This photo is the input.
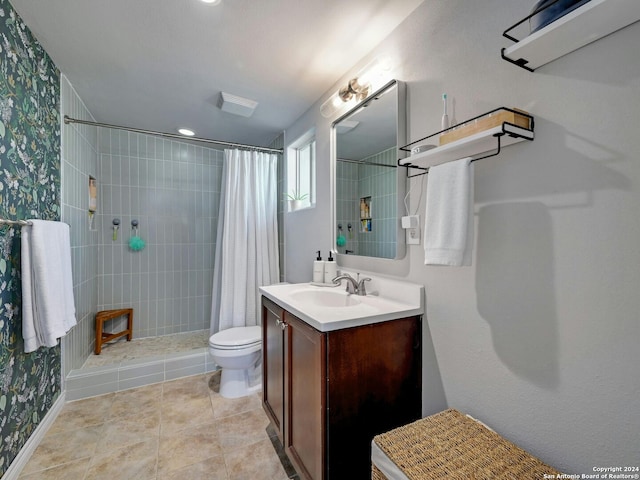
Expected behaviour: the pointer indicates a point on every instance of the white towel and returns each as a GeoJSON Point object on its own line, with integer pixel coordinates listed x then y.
{"type": "Point", "coordinates": [48, 309]}
{"type": "Point", "coordinates": [448, 232]}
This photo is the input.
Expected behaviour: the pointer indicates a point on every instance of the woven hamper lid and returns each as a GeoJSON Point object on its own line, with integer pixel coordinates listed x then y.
{"type": "Point", "coordinates": [450, 445]}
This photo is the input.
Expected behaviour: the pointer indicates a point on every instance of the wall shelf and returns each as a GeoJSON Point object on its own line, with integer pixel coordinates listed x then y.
{"type": "Point", "coordinates": [587, 23]}
{"type": "Point", "coordinates": [365, 215]}
{"type": "Point", "coordinates": [487, 143]}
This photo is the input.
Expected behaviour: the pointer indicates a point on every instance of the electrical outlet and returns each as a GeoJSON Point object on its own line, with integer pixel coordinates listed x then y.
{"type": "Point", "coordinates": [413, 236]}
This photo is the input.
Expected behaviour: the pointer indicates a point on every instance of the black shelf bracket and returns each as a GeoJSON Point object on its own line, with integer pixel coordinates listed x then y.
{"type": "Point", "coordinates": [426, 170]}
{"type": "Point", "coordinates": [498, 136]}
{"type": "Point", "coordinates": [521, 62]}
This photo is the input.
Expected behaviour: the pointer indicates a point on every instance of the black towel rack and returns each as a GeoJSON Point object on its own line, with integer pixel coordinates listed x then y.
{"type": "Point", "coordinates": [479, 145]}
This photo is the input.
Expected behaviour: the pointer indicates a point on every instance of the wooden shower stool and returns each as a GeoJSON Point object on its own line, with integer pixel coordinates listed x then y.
{"type": "Point", "coordinates": [106, 315]}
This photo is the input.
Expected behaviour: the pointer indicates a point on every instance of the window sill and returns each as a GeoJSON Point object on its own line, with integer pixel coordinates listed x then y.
{"type": "Point", "coordinates": [301, 208]}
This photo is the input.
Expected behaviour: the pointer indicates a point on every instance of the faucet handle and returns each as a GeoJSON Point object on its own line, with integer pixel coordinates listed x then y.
{"type": "Point", "coordinates": [361, 288]}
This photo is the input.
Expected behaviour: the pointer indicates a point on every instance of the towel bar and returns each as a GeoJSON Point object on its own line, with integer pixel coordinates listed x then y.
{"type": "Point", "coordinates": [22, 223]}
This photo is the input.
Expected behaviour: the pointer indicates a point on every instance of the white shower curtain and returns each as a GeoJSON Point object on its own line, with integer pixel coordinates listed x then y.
{"type": "Point", "coordinates": [247, 240]}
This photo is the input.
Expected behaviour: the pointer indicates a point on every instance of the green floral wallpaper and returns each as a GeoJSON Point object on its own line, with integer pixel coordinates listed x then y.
{"type": "Point", "coordinates": [29, 188]}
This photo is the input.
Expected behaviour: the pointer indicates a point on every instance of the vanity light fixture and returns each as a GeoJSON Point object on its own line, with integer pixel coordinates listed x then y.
{"type": "Point", "coordinates": [186, 132]}
{"type": "Point", "coordinates": [357, 88]}
{"type": "Point", "coordinates": [370, 78]}
{"type": "Point", "coordinates": [355, 91]}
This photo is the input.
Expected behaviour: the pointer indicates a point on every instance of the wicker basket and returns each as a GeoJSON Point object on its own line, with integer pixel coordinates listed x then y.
{"type": "Point", "coordinates": [450, 445]}
{"type": "Point", "coordinates": [377, 474]}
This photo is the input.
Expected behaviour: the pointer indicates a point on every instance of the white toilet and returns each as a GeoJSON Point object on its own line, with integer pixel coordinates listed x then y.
{"type": "Point", "coordinates": [237, 351]}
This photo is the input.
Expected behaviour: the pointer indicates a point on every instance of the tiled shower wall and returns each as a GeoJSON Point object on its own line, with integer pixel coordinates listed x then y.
{"type": "Point", "coordinates": [79, 161]}
{"type": "Point", "coordinates": [379, 183]}
{"type": "Point", "coordinates": [347, 205]}
{"type": "Point", "coordinates": [357, 181]}
{"type": "Point", "coordinates": [282, 204]}
{"type": "Point", "coordinates": [173, 190]}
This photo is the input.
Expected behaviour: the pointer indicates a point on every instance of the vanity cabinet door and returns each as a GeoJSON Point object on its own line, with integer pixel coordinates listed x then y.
{"type": "Point", "coordinates": [329, 393]}
{"type": "Point", "coordinates": [375, 385]}
{"type": "Point", "coordinates": [305, 397]}
{"type": "Point", "coordinates": [273, 364]}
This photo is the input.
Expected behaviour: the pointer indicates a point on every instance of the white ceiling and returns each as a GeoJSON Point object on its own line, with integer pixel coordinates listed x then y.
{"type": "Point", "coordinates": [161, 64]}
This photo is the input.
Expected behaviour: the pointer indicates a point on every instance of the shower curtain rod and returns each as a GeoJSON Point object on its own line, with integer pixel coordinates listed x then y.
{"type": "Point", "coordinates": [68, 119]}
{"type": "Point", "coordinates": [362, 162]}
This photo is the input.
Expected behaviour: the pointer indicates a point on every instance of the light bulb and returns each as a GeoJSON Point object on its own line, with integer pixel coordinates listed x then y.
{"type": "Point", "coordinates": [331, 105]}
{"type": "Point", "coordinates": [373, 76]}
{"type": "Point", "coordinates": [376, 73]}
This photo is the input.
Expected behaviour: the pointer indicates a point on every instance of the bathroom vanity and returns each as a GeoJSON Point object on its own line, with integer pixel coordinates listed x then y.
{"type": "Point", "coordinates": [337, 370]}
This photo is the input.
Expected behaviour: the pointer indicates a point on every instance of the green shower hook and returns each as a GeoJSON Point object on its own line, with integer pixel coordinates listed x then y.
{"type": "Point", "coordinates": [135, 242]}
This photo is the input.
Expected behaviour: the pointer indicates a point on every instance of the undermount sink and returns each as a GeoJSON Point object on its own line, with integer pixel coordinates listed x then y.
{"type": "Point", "coordinates": [326, 298]}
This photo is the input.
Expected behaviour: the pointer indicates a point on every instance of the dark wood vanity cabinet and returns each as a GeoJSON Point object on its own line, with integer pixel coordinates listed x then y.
{"type": "Point", "coordinates": [273, 364]}
{"type": "Point", "coordinates": [329, 393]}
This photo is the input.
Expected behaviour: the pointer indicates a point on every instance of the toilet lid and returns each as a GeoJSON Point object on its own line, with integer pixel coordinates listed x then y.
{"type": "Point", "coordinates": [236, 337]}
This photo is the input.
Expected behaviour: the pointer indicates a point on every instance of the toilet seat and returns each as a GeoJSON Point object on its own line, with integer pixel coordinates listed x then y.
{"type": "Point", "coordinates": [236, 338]}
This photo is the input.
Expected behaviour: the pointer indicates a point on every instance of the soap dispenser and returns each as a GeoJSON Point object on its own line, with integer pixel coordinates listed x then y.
{"type": "Point", "coordinates": [330, 269]}
{"type": "Point", "coordinates": [318, 269]}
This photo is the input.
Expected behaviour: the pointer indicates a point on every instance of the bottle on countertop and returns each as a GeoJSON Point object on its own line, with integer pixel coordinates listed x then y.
{"type": "Point", "coordinates": [330, 269]}
{"type": "Point", "coordinates": [318, 269]}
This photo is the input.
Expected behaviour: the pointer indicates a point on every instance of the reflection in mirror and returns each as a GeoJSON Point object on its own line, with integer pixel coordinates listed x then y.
{"type": "Point", "coordinates": [369, 186]}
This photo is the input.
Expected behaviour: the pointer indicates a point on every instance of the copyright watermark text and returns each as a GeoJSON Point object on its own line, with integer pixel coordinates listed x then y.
{"type": "Point", "coordinates": [600, 473]}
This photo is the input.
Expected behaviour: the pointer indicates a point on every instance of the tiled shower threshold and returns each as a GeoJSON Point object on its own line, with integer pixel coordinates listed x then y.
{"type": "Point", "coordinates": [126, 373]}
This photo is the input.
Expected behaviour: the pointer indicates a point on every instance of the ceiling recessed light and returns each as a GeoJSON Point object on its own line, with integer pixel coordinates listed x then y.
{"type": "Point", "coordinates": [186, 131]}
{"type": "Point", "coordinates": [211, 2]}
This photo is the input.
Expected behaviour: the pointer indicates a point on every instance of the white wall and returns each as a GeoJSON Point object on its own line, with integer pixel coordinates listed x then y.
{"type": "Point", "coordinates": [540, 337]}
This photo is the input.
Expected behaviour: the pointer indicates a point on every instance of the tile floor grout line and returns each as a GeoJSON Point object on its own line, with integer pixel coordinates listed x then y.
{"type": "Point", "coordinates": [246, 432]}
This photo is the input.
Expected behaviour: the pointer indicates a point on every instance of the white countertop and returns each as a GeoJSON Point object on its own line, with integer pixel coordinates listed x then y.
{"type": "Point", "coordinates": [395, 300]}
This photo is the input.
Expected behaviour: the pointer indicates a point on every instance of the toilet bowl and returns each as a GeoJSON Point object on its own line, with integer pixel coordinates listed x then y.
{"type": "Point", "coordinates": [237, 351]}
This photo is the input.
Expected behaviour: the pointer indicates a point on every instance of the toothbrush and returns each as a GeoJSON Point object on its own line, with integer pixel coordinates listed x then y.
{"type": "Point", "coordinates": [445, 117]}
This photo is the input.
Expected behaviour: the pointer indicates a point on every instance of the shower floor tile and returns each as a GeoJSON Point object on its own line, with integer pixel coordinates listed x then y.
{"type": "Point", "coordinates": [208, 437]}
{"type": "Point", "coordinates": [120, 350]}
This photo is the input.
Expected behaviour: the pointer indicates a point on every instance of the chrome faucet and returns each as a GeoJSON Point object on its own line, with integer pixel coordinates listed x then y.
{"type": "Point", "coordinates": [353, 286]}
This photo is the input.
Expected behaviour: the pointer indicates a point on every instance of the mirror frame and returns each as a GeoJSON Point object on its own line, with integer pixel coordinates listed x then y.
{"type": "Point", "coordinates": [401, 173]}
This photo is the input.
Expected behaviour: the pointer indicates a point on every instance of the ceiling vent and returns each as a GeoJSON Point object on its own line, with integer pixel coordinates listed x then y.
{"type": "Point", "coordinates": [236, 105]}
{"type": "Point", "coordinates": [346, 126]}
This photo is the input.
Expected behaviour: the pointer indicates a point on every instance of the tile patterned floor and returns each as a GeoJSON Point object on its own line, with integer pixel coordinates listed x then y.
{"type": "Point", "coordinates": [182, 429]}
{"type": "Point", "coordinates": [120, 350]}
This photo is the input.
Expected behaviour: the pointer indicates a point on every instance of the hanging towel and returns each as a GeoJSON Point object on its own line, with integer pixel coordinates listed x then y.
{"type": "Point", "coordinates": [48, 309]}
{"type": "Point", "coordinates": [448, 232]}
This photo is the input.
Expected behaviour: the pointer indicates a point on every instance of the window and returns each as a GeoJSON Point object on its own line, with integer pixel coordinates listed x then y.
{"type": "Point", "coordinates": [301, 173]}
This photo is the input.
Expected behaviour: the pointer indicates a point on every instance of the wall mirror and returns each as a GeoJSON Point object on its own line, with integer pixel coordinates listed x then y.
{"type": "Point", "coordinates": [369, 185]}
